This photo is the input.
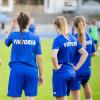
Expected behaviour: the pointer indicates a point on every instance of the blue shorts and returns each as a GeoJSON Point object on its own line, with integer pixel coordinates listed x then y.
{"type": "Point", "coordinates": [81, 79]}
{"type": "Point", "coordinates": [62, 80]}
{"type": "Point", "coordinates": [22, 77]}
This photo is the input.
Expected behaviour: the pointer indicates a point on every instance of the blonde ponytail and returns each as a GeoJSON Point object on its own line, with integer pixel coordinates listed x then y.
{"type": "Point", "coordinates": [61, 24]}
{"type": "Point", "coordinates": [79, 23]}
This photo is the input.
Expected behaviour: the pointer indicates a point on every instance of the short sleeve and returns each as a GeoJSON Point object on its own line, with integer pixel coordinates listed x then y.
{"type": "Point", "coordinates": [38, 47]}
{"type": "Point", "coordinates": [9, 40]}
{"type": "Point", "coordinates": [56, 44]}
{"type": "Point", "coordinates": [93, 47]}
{"type": "Point", "coordinates": [79, 46]}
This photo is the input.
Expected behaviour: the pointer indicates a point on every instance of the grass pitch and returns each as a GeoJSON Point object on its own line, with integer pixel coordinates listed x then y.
{"type": "Point", "coordinates": [45, 91]}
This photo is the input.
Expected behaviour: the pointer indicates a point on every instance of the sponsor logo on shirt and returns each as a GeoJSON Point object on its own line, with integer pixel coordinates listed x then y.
{"type": "Point", "coordinates": [67, 44]}
{"type": "Point", "coordinates": [24, 42]}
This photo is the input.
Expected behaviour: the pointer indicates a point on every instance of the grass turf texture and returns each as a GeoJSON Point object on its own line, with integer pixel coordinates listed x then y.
{"type": "Point", "coordinates": [45, 91]}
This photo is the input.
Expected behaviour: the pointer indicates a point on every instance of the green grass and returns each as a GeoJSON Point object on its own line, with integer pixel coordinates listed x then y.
{"type": "Point", "coordinates": [45, 91]}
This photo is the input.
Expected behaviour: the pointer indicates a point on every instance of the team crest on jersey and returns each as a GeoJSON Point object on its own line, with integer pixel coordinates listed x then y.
{"type": "Point", "coordinates": [24, 42]}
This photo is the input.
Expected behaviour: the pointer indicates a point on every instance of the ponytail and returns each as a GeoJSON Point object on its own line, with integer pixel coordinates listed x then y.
{"type": "Point", "coordinates": [21, 34]}
{"type": "Point", "coordinates": [61, 24]}
{"type": "Point", "coordinates": [79, 24]}
{"type": "Point", "coordinates": [23, 21]}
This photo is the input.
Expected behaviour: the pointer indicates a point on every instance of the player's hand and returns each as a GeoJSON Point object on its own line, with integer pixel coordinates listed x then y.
{"type": "Point", "coordinates": [75, 68]}
{"type": "Point", "coordinates": [41, 80]}
{"type": "Point", "coordinates": [58, 67]}
{"type": "Point", "coordinates": [13, 26]}
{"type": "Point", "coordinates": [14, 23]}
{"type": "Point", "coordinates": [0, 62]}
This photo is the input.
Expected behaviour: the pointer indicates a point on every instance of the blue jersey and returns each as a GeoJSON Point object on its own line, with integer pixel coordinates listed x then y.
{"type": "Point", "coordinates": [67, 49]}
{"type": "Point", "coordinates": [90, 48]}
{"type": "Point", "coordinates": [24, 48]}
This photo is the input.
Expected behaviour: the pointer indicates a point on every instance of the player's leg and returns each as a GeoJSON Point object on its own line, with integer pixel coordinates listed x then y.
{"type": "Point", "coordinates": [15, 83]}
{"type": "Point", "coordinates": [96, 44]}
{"type": "Point", "coordinates": [31, 83]}
{"type": "Point", "coordinates": [30, 98]}
{"type": "Point", "coordinates": [62, 82]}
{"type": "Point", "coordinates": [75, 88]}
{"type": "Point", "coordinates": [61, 98]}
{"type": "Point", "coordinates": [86, 87]}
{"type": "Point", "coordinates": [16, 98]}
{"type": "Point", "coordinates": [87, 91]}
{"type": "Point", "coordinates": [59, 85]}
{"type": "Point", "coordinates": [76, 94]}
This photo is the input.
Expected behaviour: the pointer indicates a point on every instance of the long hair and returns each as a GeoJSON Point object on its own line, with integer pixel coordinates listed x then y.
{"type": "Point", "coordinates": [23, 21]}
{"type": "Point", "coordinates": [61, 24]}
{"type": "Point", "coordinates": [79, 23]}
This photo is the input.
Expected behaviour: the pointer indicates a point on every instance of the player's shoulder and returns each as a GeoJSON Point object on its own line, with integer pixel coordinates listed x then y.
{"type": "Point", "coordinates": [33, 35]}
{"type": "Point", "coordinates": [74, 37]}
{"type": "Point", "coordinates": [88, 36]}
{"type": "Point", "coordinates": [14, 33]}
{"type": "Point", "coordinates": [58, 37]}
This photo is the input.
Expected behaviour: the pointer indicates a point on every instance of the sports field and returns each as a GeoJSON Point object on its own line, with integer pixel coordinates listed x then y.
{"type": "Point", "coordinates": [45, 91]}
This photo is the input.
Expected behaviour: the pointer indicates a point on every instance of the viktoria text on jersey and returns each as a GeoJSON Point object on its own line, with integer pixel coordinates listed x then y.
{"type": "Point", "coordinates": [67, 44]}
{"type": "Point", "coordinates": [24, 42]}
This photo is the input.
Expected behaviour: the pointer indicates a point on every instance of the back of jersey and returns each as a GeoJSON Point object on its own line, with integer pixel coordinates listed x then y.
{"type": "Point", "coordinates": [90, 48]}
{"type": "Point", "coordinates": [67, 48]}
{"type": "Point", "coordinates": [25, 47]}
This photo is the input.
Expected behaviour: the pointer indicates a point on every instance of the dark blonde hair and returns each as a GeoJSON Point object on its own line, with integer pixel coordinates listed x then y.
{"type": "Point", "coordinates": [61, 23]}
{"type": "Point", "coordinates": [76, 22]}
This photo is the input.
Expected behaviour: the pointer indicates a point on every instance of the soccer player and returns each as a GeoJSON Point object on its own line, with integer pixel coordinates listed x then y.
{"type": "Point", "coordinates": [65, 46]}
{"type": "Point", "coordinates": [84, 73]}
{"type": "Point", "coordinates": [32, 26]}
{"type": "Point", "coordinates": [93, 31]}
{"type": "Point", "coordinates": [26, 50]}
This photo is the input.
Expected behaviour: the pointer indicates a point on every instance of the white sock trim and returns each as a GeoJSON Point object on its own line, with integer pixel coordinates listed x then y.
{"type": "Point", "coordinates": [89, 99]}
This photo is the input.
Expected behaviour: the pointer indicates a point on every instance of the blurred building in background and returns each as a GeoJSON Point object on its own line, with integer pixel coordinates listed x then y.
{"type": "Point", "coordinates": [45, 11]}
{"type": "Point", "coordinates": [6, 5]}
{"type": "Point", "coordinates": [88, 6]}
{"type": "Point", "coordinates": [52, 6]}
{"type": "Point", "coordinates": [33, 2]}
